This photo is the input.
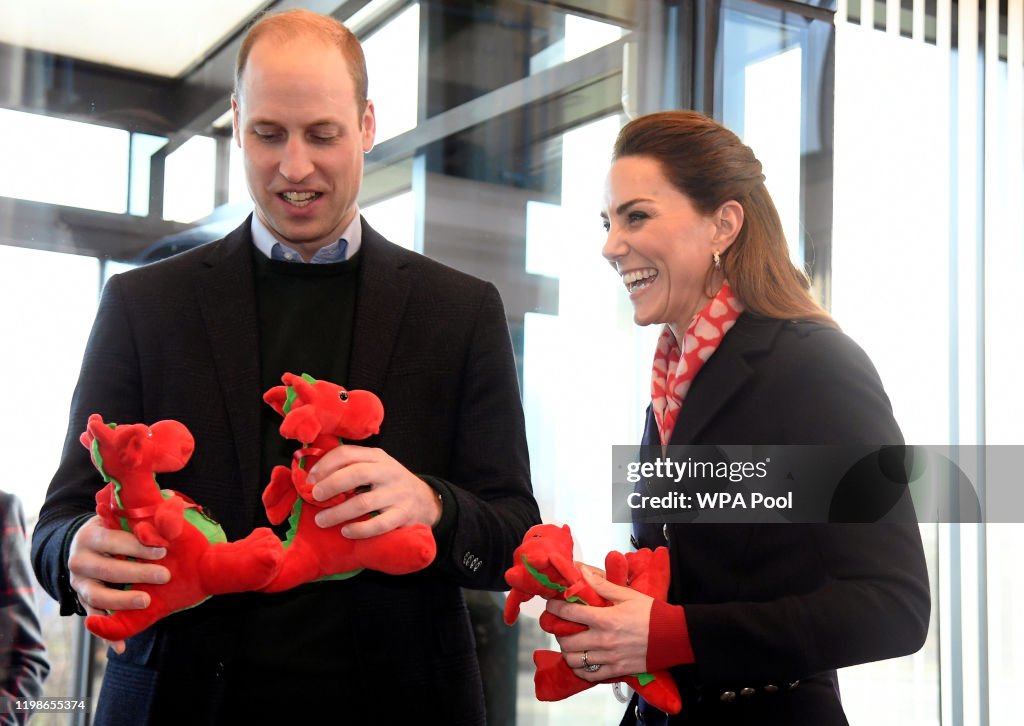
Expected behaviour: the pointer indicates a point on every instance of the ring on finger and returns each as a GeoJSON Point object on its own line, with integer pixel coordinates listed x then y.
{"type": "Point", "coordinates": [587, 665]}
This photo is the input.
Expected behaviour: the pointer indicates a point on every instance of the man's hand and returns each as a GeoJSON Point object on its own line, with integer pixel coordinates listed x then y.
{"type": "Point", "coordinates": [94, 565]}
{"type": "Point", "coordinates": [400, 497]}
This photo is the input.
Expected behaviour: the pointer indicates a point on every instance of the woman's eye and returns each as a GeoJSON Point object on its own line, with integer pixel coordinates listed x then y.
{"type": "Point", "coordinates": [635, 217]}
{"type": "Point", "coordinates": [606, 224]}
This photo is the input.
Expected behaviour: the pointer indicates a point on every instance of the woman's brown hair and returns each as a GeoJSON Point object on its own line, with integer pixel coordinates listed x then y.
{"type": "Point", "coordinates": [710, 165]}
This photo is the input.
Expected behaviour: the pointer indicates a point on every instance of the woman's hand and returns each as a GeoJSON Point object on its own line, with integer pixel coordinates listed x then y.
{"type": "Point", "coordinates": [616, 638]}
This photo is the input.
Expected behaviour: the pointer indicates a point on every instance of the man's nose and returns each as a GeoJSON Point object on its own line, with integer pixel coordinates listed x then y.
{"type": "Point", "coordinates": [296, 163]}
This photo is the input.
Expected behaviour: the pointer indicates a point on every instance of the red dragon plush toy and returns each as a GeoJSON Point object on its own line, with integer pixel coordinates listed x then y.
{"type": "Point", "coordinates": [543, 565]}
{"type": "Point", "coordinates": [320, 414]}
{"type": "Point", "coordinates": [201, 560]}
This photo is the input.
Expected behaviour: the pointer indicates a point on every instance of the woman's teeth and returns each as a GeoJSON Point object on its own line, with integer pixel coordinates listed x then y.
{"type": "Point", "coordinates": [639, 278]}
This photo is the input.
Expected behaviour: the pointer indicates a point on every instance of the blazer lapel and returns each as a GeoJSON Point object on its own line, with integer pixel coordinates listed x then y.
{"type": "Point", "coordinates": [384, 284]}
{"type": "Point", "coordinates": [227, 299]}
{"type": "Point", "coordinates": [722, 376]}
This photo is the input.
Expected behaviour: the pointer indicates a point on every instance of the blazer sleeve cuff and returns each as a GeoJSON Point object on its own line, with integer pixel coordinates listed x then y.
{"type": "Point", "coordinates": [69, 603]}
{"type": "Point", "coordinates": [444, 530]}
{"type": "Point", "coordinates": [668, 639]}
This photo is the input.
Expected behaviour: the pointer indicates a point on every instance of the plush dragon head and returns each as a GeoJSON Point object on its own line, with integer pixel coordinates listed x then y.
{"type": "Point", "coordinates": [130, 455]}
{"type": "Point", "coordinates": [543, 566]}
{"type": "Point", "coordinates": [313, 408]}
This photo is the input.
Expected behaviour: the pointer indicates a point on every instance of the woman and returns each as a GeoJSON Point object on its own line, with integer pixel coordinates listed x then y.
{"type": "Point", "coordinates": [759, 616]}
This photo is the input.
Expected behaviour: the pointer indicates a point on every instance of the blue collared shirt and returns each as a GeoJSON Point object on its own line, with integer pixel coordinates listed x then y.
{"type": "Point", "coordinates": [339, 250]}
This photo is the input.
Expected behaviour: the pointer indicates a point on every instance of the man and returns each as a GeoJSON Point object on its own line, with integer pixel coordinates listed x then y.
{"type": "Point", "coordinates": [23, 662]}
{"type": "Point", "coordinates": [198, 337]}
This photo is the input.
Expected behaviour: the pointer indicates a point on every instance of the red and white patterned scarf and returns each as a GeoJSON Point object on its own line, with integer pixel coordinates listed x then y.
{"type": "Point", "coordinates": [674, 369]}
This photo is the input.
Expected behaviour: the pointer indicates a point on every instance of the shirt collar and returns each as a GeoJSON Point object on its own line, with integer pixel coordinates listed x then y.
{"type": "Point", "coordinates": [266, 243]}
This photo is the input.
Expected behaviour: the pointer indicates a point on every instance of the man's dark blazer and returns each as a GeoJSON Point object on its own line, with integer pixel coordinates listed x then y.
{"type": "Point", "coordinates": [179, 339]}
{"type": "Point", "coordinates": [771, 605]}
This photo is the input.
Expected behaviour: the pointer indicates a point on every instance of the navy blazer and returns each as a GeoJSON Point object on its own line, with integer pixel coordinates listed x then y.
{"type": "Point", "coordinates": [178, 339]}
{"type": "Point", "coordinates": [774, 609]}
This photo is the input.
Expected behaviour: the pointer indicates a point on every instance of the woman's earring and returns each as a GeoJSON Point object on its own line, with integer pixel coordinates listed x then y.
{"type": "Point", "coordinates": [718, 259]}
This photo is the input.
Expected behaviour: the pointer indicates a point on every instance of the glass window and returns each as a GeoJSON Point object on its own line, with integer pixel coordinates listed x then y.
{"type": "Point", "coordinates": [581, 35]}
{"type": "Point", "coordinates": [576, 350]}
{"type": "Point", "coordinates": [42, 293]}
{"type": "Point", "coordinates": [143, 148]}
{"type": "Point", "coordinates": [189, 180]}
{"type": "Point", "coordinates": [1004, 351]}
{"type": "Point", "coordinates": [49, 300]}
{"type": "Point", "coordinates": [393, 52]}
{"type": "Point", "coordinates": [1004, 252]}
{"type": "Point", "coordinates": [890, 251]}
{"type": "Point", "coordinates": [477, 48]}
{"type": "Point", "coordinates": [1005, 629]}
{"type": "Point", "coordinates": [395, 218]}
{"type": "Point", "coordinates": [771, 124]}
{"type": "Point", "coordinates": [768, 64]}
{"type": "Point", "coordinates": [57, 161]}
{"type": "Point", "coordinates": [890, 254]}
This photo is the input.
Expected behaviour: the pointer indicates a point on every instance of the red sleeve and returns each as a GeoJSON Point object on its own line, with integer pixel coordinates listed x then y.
{"type": "Point", "coordinates": [668, 639]}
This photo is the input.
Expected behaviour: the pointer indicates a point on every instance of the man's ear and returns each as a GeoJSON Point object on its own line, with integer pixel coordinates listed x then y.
{"type": "Point", "coordinates": [234, 120]}
{"type": "Point", "coordinates": [369, 128]}
{"type": "Point", "coordinates": [728, 222]}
